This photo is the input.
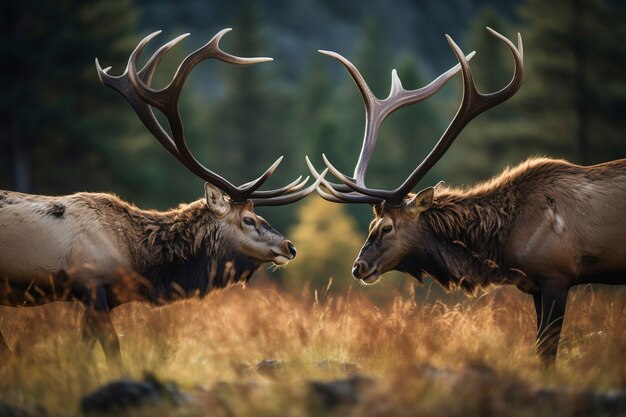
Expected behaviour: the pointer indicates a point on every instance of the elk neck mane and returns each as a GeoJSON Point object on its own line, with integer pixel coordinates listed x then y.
{"type": "Point", "coordinates": [470, 226]}
{"type": "Point", "coordinates": [180, 252]}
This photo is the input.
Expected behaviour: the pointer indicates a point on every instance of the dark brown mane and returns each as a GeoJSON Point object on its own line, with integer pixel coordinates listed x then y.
{"type": "Point", "coordinates": [477, 220]}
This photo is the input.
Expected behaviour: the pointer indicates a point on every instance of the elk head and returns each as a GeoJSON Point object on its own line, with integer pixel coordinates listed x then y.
{"type": "Point", "coordinates": [398, 228]}
{"type": "Point", "coordinates": [231, 205]}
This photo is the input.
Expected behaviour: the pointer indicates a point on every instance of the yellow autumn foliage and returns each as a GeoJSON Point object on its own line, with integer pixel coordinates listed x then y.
{"type": "Point", "coordinates": [328, 242]}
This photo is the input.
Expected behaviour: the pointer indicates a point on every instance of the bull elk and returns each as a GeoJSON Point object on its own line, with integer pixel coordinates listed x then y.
{"type": "Point", "coordinates": [102, 251]}
{"type": "Point", "coordinates": [544, 226]}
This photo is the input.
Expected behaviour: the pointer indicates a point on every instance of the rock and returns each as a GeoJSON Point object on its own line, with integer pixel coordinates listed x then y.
{"type": "Point", "coordinates": [610, 402]}
{"type": "Point", "coordinates": [7, 410]}
{"type": "Point", "coordinates": [347, 391]}
{"type": "Point", "coordinates": [269, 367]}
{"type": "Point", "coordinates": [125, 394]}
{"type": "Point", "coordinates": [345, 367]}
{"type": "Point", "coordinates": [583, 402]}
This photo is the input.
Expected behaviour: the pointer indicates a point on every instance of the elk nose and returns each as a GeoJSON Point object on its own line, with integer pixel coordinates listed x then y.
{"type": "Point", "coordinates": [358, 268]}
{"type": "Point", "coordinates": [292, 249]}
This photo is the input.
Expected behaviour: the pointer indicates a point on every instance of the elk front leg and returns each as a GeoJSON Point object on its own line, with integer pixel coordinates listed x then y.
{"type": "Point", "coordinates": [550, 308]}
{"type": "Point", "coordinates": [98, 325]}
{"type": "Point", "coordinates": [4, 347]}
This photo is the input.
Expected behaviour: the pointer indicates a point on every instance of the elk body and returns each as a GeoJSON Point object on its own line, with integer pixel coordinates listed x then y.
{"type": "Point", "coordinates": [104, 252]}
{"type": "Point", "coordinates": [543, 226]}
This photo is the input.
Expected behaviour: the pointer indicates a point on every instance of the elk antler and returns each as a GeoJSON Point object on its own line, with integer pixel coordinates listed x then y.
{"type": "Point", "coordinates": [134, 86]}
{"type": "Point", "coordinates": [472, 104]}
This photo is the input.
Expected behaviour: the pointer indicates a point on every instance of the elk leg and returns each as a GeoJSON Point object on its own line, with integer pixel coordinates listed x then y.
{"type": "Point", "coordinates": [4, 346]}
{"type": "Point", "coordinates": [550, 308]}
{"type": "Point", "coordinates": [98, 325]}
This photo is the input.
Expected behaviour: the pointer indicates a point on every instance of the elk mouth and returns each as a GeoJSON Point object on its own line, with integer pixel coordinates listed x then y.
{"type": "Point", "coordinates": [371, 278]}
{"type": "Point", "coordinates": [283, 253]}
{"type": "Point", "coordinates": [368, 276]}
{"type": "Point", "coordinates": [280, 258]}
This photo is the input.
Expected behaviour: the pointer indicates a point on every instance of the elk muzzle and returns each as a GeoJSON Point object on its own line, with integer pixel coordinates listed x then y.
{"type": "Point", "coordinates": [362, 271]}
{"type": "Point", "coordinates": [284, 253]}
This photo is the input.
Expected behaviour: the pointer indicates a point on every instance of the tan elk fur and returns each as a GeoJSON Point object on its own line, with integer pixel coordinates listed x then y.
{"type": "Point", "coordinates": [104, 252]}
{"type": "Point", "coordinates": [100, 239]}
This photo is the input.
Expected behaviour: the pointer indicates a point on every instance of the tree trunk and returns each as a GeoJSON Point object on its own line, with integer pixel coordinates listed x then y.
{"type": "Point", "coordinates": [20, 160]}
{"type": "Point", "coordinates": [581, 90]}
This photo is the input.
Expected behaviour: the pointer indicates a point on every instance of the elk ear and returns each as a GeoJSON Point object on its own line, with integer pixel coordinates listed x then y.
{"type": "Point", "coordinates": [216, 200]}
{"type": "Point", "coordinates": [420, 202]}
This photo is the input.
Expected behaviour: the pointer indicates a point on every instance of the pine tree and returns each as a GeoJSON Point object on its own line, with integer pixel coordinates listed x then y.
{"type": "Point", "coordinates": [483, 149]}
{"type": "Point", "coordinates": [575, 92]}
{"type": "Point", "coordinates": [51, 89]}
{"type": "Point", "coordinates": [250, 122]}
{"type": "Point", "coordinates": [317, 122]}
{"type": "Point", "coordinates": [409, 134]}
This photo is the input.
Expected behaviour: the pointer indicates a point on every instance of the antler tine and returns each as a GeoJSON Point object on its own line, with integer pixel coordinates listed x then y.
{"type": "Point", "coordinates": [252, 186]}
{"type": "Point", "coordinates": [167, 101]}
{"type": "Point", "coordinates": [377, 110]}
{"type": "Point", "coordinates": [293, 186]}
{"type": "Point", "coordinates": [336, 196]}
{"type": "Point", "coordinates": [370, 101]}
{"type": "Point", "coordinates": [134, 85]}
{"type": "Point", "coordinates": [368, 97]}
{"type": "Point", "coordinates": [250, 189]}
{"type": "Point", "coordinates": [147, 72]}
{"type": "Point", "coordinates": [166, 98]}
{"type": "Point", "coordinates": [472, 104]}
{"type": "Point", "coordinates": [398, 97]}
{"type": "Point", "coordinates": [123, 86]}
{"type": "Point", "coordinates": [231, 59]}
{"type": "Point", "coordinates": [288, 198]}
{"type": "Point", "coordinates": [351, 184]}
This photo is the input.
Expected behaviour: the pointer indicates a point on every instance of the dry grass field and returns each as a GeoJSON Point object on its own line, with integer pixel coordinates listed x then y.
{"type": "Point", "coordinates": [262, 351]}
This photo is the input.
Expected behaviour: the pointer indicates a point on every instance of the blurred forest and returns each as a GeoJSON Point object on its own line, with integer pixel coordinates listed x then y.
{"type": "Point", "coordinates": [62, 131]}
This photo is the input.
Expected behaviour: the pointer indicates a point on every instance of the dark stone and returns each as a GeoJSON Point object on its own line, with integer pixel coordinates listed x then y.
{"type": "Point", "coordinates": [269, 367]}
{"type": "Point", "coordinates": [348, 368]}
{"type": "Point", "coordinates": [125, 394]}
{"type": "Point", "coordinates": [610, 402]}
{"type": "Point", "coordinates": [339, 392]}
{"type": "Point", "coordinates": [7, 410]}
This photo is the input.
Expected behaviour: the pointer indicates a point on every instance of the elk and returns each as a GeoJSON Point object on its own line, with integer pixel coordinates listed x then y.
{"type": "Point", "coordinates": [544, 226]}
{"type": "Point", "coordinates": [103, 252]}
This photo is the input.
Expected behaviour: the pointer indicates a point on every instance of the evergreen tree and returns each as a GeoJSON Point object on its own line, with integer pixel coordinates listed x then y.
{"type": "Point", "coordinates": [250, 123]}
{"type": "Point", "coordinates": [408, 135]}
{"type": "Point", "coordinates": [575, 92]}
{"type": "Point", "coordinates": [317, 120]}
{"type": "Point", "coordinates": [51, 90]}
{"type": "Point", "coordinates": [485, 146]}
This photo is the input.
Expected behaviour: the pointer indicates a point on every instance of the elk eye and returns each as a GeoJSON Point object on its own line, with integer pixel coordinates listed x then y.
{"type": "Point", "coordinates": [386, 229]}
{"type": "Point", "coordinates": [249, 221]}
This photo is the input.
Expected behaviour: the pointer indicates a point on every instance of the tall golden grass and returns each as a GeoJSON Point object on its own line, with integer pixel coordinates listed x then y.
{"type": "Point", "coordinates": [209, 343]}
